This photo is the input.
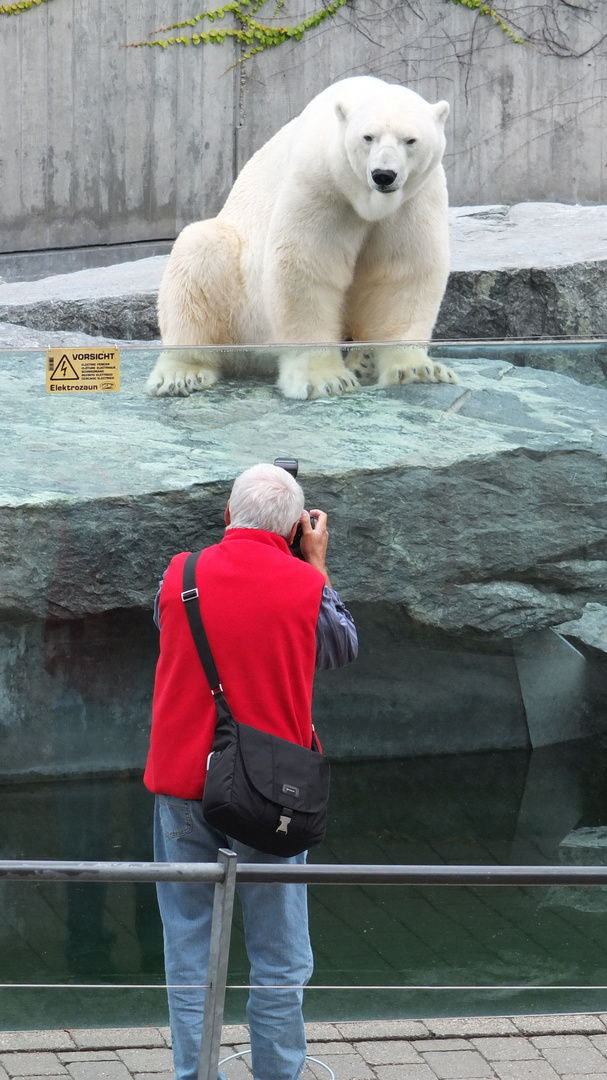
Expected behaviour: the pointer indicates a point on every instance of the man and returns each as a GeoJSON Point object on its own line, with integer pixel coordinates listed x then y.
{"type": "Point", "coordinates": [270, 619]}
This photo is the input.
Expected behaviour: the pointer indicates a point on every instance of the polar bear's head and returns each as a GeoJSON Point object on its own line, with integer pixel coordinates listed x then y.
{"type": "Point", "coordinates": [393, 139]}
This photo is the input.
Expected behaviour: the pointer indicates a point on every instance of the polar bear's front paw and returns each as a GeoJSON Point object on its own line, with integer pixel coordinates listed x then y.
{"type": "Point", "coordinates": [409, 364]}
{"type": "Point", "coordinates": [178, 376]}
{"type": "Point", "coordinates": [316, 374]}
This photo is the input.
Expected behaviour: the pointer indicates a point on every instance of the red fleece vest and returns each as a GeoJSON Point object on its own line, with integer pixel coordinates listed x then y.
{"type": "Point", "coordinates": [260, 607]}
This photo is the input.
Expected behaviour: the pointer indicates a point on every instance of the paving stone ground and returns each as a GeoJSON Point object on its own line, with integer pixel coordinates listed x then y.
{"type": "Point", "coordinates": [554, 1047]}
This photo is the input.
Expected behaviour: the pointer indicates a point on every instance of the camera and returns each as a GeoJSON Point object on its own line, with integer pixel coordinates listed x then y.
{"type": "Point", "coordinates": [291, 465]}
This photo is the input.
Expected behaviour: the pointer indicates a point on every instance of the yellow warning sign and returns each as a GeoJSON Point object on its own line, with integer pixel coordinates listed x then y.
{"type": "Point", "coordinates": [84, 370]}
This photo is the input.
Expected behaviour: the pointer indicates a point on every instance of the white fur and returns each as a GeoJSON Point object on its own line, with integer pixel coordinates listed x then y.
{"type": "Point", "coordinates": [335, 230]}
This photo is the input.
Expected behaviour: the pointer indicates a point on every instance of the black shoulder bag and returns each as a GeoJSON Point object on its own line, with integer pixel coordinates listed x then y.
{"type": "Point", "coordinates": [267, 792]}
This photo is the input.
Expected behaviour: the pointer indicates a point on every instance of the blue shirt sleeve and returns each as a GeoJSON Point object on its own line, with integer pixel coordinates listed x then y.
{"type": "Point", "coordinates": [157, 602]}
{"type": "Point", "coordinates": [336, 637]}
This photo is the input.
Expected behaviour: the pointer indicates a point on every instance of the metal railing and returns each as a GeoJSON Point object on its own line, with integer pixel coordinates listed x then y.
{"type": "Point", "coordinates": [225, 874]}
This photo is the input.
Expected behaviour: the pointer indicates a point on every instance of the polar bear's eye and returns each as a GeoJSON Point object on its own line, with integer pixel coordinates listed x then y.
{"type": "Point", "coordinates": [368, 138]}
{"type": "Point", "coordinates": [410, 142]}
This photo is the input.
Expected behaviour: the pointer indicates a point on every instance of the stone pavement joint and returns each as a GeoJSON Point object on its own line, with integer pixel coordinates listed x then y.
{"type": "Point", "coordinates": [553, 1047]}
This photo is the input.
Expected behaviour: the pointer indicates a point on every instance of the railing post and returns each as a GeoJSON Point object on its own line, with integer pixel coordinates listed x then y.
{"type": "Point", "coordinates": [219, 948]}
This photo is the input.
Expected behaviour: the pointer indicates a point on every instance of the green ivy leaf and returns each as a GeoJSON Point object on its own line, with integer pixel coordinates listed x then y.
{"type": "Point", "coordinates": [250, 31]}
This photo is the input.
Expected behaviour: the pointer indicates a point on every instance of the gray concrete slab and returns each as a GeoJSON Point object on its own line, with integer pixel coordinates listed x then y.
{"type": "Point", "coordinates": [98, 1070]}
{"type": "Point", "coordinates": [457, 1064]}
{"type": "Point", "coordinates": [148, 1061]}
{"type": "Point", "coordinates": [32, 1064]}
{"type": "Point", "coordinates": [382, 1029]}
{"type": "Point", "coordinates": [35, 1040]}
{"type": "Point", "coordinates": [317, 1032]}
{"type": "Point", "coordinates": [469, 1026]}
{"type": "Point", "coordinates": [395, 1052]}
{"type": "Point", "coordinates": [560, 1024]}
{"type": "Point", "coordinates": [561, 1042]}
{"type": "Point", "coordinates": [575, 1059]}
{"type": "Point", "coordinates": [525, 1070]}
{"type": "Point", "coordinates": [507, 1049]}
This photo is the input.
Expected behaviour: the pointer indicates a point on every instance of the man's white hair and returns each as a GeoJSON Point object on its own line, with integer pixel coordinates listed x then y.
{"type": "Point", "coordinates": [266, 497]}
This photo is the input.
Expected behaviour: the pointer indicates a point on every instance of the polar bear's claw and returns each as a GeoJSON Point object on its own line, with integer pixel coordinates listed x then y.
{"type": "Point", "coordinates": [165, 388]}
{"type": "Point", "coordinates": [444, 374]}
{"type": "Point", "coordinates": [154, 384]}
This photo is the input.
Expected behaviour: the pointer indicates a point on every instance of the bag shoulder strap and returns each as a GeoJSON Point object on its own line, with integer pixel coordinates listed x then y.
{"type": "Point", "coordinates": [190, 599]}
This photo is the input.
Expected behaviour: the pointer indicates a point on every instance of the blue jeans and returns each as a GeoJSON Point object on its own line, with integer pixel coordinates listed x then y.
{"type": "Point", "coordinates": [276, 935]}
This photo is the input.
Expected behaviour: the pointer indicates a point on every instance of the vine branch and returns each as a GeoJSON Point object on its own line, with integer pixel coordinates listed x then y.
{"type": "Point", "coordinates": [257, 36]}
{"type": "Point", "coordinates": [253, 34]}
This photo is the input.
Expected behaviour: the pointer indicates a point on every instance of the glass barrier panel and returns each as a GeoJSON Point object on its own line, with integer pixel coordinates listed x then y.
{"type": "Point", "coordinates": [465, 488]}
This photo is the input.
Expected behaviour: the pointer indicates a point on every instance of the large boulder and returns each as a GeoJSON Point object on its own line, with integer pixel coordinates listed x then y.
{"type": "Point", "coordinates": [536, 270]}
{"type": "Point", "coordinates": [109, 302]}
{"type": "Point", "coordinates": [479, 507]}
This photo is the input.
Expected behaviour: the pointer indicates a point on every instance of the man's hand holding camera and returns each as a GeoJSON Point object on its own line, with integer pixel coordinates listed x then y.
{"type": "Point", "coordinates": [314, 540]}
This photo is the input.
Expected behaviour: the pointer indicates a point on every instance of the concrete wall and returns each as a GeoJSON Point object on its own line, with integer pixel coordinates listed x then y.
{"type": "Point", "coordinates": [103, 145]}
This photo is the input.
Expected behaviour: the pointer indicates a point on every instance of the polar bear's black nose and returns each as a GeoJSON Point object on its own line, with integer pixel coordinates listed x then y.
{"type": "Point", "coordinates": [383, 178]}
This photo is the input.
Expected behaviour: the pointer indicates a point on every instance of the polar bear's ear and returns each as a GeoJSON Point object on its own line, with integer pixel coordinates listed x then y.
{"type": "Point", "coordinates": [441, 111]}
{"type": "Point", "coordinates": [342, 112]}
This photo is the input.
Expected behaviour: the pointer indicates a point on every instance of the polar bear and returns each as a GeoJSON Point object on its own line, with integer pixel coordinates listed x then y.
{"type": "Point", "coordinates": [336, 230]}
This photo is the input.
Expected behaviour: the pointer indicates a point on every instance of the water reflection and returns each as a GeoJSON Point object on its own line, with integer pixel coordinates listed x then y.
{"type": "Point", "coordinates": [496, 807]}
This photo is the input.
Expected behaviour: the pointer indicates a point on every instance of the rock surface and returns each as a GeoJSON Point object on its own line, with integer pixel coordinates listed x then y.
{"type": "Point", "coordinates": [539, 235]}
{"type": "Point", "coordinates": [590, 630]}
{"type": "Point", "coordinates": [586, 846]}
{"type": "Point", "coordinates": [13, 336]}
{"type": "Point", "coordinates": [111, 302]}
{"type": "Point", "coordinates": [479, 507]}
{"type": "Point", "coordinates": [531, 270]}
{"type": "Point", "coordinates": [528, 270]}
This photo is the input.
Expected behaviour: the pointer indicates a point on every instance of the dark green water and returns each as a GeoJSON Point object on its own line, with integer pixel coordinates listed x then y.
{"type": "Point", "coordinates": [502, 807]}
